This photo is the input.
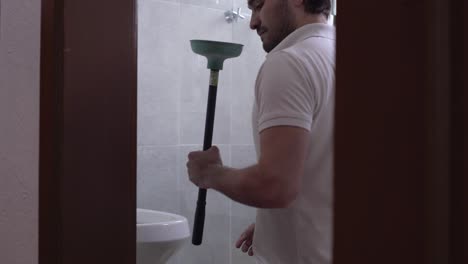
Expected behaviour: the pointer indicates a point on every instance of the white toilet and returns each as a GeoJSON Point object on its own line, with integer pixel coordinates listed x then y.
{"type": "Point", "coordinates": [159, 235]}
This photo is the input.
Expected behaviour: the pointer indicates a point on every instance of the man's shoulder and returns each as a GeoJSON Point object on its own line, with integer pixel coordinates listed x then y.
{"type": "Point", "coordinates": [300, 51]}
{"type": "Point", "coordinates": [282, 58]}
{"type": "Point", "coordinates": [280, 62]}
{"type": "Point", "coordinates": [311, 54]}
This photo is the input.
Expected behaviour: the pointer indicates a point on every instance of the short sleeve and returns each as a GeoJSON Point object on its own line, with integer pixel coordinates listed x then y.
{"type": "Point", "coordinates": [285, 96]}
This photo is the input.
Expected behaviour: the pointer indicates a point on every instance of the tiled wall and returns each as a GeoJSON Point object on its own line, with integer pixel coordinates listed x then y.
{"type": "Point", "coordinates": [173, 89]}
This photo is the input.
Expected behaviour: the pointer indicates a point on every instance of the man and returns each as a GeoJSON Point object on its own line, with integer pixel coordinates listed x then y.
{"type": "Point", "coordinates": [291, 185]}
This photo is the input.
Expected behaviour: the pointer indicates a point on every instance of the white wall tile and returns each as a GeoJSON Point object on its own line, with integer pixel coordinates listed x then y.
{"type": "Point", "coordinates": [216, 4]}
{"type": "Point", "coordinates": [241, 126]}
{"type": "Point", "coordinates": [157, 179]}
{"type": "Point", "coordinates": [242, 4]}
{"type": "Point", "coordinates": [193, 127]}
{"type": "Point", "coordinates": [158, 130]}
{"type": "Point", "coordinates": [243, 156]}
{"type": "Point", "coordinates": [157, 19]}
{"type": "Point", "coordinates": [157, 94]}
{"type": "Point", "coordinates": [159, 63]}
{"type": "Point", "coordinates": [204, 23]}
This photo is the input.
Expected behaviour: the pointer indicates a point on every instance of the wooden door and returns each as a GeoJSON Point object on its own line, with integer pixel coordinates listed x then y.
{"type": "Point", "coordinates": [399, 132]}
{"type": "Point", "coordinates": [88, 132]}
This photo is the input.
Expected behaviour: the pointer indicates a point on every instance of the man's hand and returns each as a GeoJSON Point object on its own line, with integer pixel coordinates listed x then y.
{"type": "Point", "coordinates": [245, 240]}
{"type": "Point", "coordinates": [203, 165]}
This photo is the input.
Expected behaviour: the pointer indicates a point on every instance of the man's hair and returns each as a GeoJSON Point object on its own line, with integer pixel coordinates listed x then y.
{"type": "Point", "coordinates": [318, 7]}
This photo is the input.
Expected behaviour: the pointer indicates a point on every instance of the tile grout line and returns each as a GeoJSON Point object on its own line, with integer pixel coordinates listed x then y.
{"type": "Point", "coordinates": [230, 143]}
{"type": "Point", "coordinates": [179, 124]}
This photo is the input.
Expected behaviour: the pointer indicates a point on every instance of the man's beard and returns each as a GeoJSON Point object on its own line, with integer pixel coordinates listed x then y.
{"type": "Point", "coordinates": [287, 27]}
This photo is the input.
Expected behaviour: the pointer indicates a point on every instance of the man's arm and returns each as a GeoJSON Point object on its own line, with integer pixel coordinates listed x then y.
{"type": "Point", "coordinates": [272, 183]}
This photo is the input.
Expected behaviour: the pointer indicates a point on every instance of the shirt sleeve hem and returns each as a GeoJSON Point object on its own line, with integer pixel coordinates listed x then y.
{"type": "Point", "coordinates": [285, 121]}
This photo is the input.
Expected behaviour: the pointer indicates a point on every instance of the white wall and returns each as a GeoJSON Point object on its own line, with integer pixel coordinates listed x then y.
{"type": "Point", "coordinates": [19, 130]}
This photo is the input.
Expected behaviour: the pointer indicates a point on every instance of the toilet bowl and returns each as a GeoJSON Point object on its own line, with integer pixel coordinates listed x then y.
{"type": "Point", "coordinates": [159, 235]}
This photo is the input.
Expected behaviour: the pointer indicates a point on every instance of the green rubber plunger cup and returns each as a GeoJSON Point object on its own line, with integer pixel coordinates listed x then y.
{"type": "Point", "coordinates": [216, 53]}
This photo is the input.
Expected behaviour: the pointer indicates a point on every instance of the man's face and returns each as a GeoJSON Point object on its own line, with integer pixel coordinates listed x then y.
{"type": "Point", "coordinates": [273, 21]}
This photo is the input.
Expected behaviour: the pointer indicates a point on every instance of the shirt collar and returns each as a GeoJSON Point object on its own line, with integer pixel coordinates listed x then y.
{"type": "Point", "coordinates": [307, 31]}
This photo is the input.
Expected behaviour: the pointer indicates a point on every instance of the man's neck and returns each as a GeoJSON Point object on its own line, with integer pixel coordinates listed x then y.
{"type": "Point", "coordinates": [310, 19]}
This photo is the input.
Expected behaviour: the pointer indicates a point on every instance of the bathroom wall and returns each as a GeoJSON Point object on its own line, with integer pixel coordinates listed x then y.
{"type": "Point", "coordinates": [19, 130]}
{"type": "Point", "coordinates": [172, 94]}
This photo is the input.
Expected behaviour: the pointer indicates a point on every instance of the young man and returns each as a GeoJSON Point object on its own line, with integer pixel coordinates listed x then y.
{"type": "Point", "coordinates": [291, 185]}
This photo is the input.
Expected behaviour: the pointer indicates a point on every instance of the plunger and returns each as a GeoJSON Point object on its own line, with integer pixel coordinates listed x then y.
{"type": "Point", "coordinates": [216, 53]}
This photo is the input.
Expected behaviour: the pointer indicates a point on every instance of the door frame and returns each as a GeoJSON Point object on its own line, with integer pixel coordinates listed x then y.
{"type": "Point", "coordinates": [88, 93]}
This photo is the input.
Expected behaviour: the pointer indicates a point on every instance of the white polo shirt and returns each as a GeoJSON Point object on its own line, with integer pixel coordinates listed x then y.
{"type": "Point", "coordinates": [296, 87]}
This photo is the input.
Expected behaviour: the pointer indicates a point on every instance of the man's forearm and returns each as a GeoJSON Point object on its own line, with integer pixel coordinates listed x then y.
{"type": "Point", "coordinates": [248, 186]}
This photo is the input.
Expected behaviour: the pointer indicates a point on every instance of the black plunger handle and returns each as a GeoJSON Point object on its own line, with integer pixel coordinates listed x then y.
{"type": "Point", "coordinates": [199, 222]}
